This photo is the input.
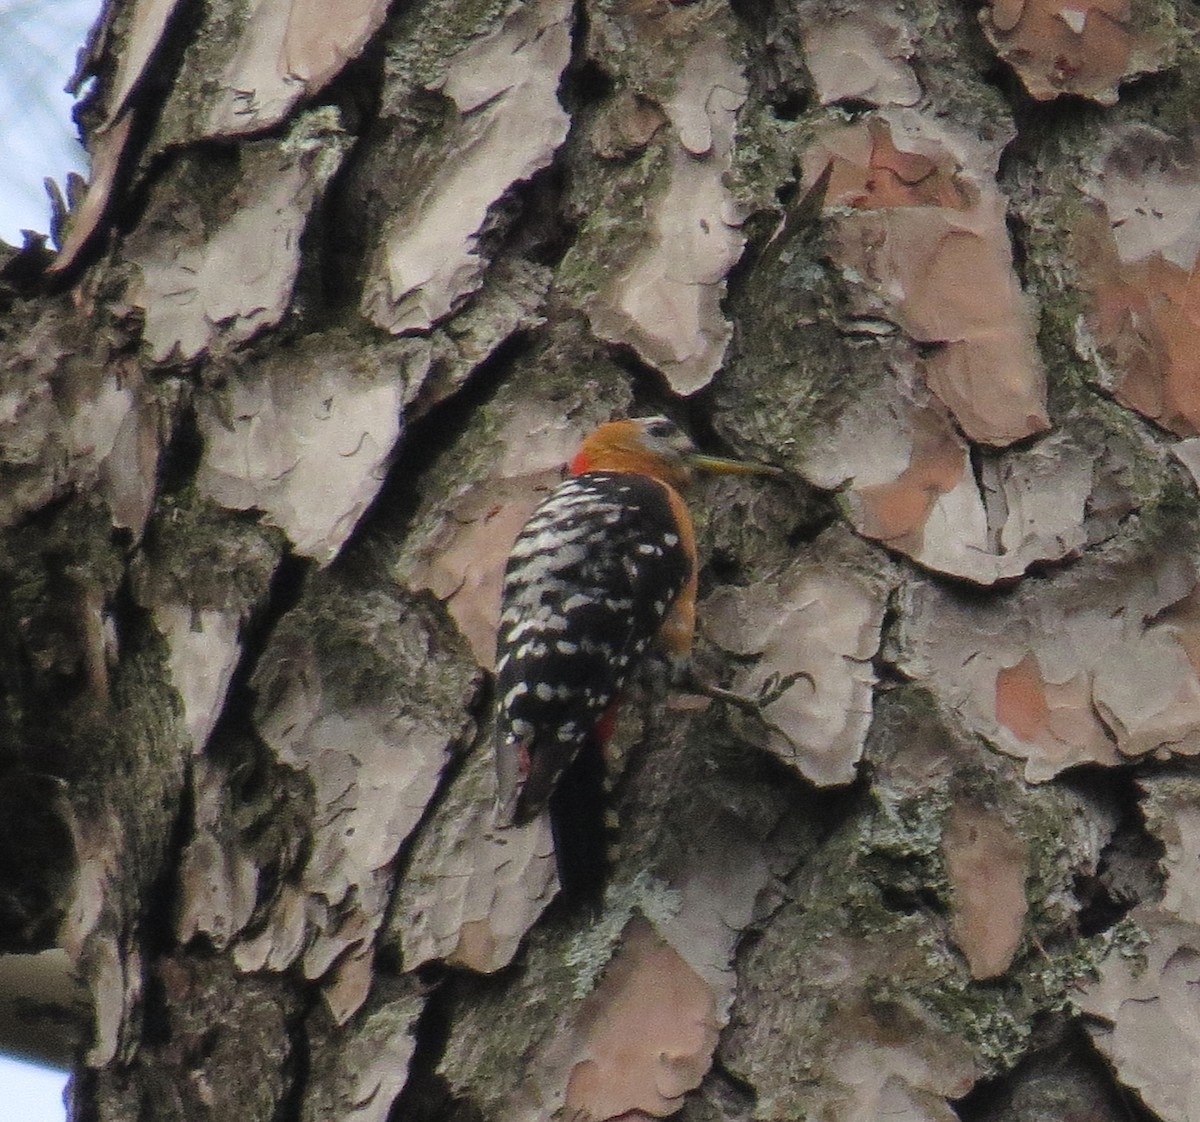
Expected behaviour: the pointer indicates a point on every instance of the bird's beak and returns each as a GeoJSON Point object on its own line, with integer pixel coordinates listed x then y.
{"type": "Point", "coordinates": [718, 465]}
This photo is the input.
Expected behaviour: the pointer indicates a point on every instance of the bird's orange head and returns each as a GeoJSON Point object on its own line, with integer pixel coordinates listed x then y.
{"type": "Point", "coordinates": [653, 446]}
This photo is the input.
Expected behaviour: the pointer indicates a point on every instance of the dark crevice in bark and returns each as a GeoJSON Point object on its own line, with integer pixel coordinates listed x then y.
{"type": "Point", "coordinates": [1045, 569]}
{"type": "Point", "coordinates": [1148, 428]}
{"type": "Point", "coordinates": [787, 193]}
{"type": "Point", "coordinates": [333, 245]}
{"type": "Point", "coordinates": [357, 90]}
{"type": "Point", "coordinates": [759, 229]}
{"type": "Point", "coordinates": [544, 232]}
{"type": "Point", "coordinates": [792, 847]}
{"type": "Point", "coordinates": [22, 274]}
{"type": "Point", "coordinates": [1063, 1079]}
{"type": "Point", "coordinates": [58, 572]}
{"type": "Point", "coordinates": [652, 392]}
{"type": "Point", "coordinates": [158, 75]}
{"type": "Point", "coordinates": [1038, 125]}
{"type": "Point", "coordinates": [983, 462]}
{"type": "Point", "coordinates": [459, 752]}
{"type": "Point", "coordinates": [37, 861]}
{"type": "Point", "coordinates": [824, 515]}
{"type": "Point", "coordinates": [775, 67]}
{"type": "Point", "coordinates": [1041, 126]}
{"type": "Point", "coordinates": [131, 621]}
{"type": "Point", "coordinates": [156, 1014]}
{"type": "Point", "coordinates": [386, 122]}
{"type": "Point", "coordinates": [82, 1095]}
{"type": "Point", "coordinates": [736, 1085]}
{"type": "Point", "coordinates": [134, 179]}
{"type": "Point", "coordinates": [422, 444]}
{"type": "Point", "coordinates": [298, 1062]}
{"type": "Point", "coordinates": [722, 1095]}
{"type": "Point", "coordinates": [156, 925]}
{"type": "Point", "coordinates": [585, 83]}
{"type": "Point", "coordinates": [792, 106]}
{"type": "Point", "coordinates": [908, 901]}
{"type": "Point", "coordinates": [283, 594]}
{"type": "Point", "coordinates": [346, 226]}
{"type": "Point", "coordinates": [427, 1096]}
{"type": "Point", "coordinates": [814, 815]}
{"type": "Point", "coordinates": [1003, 79]}
{"type": "Point", "coordinates": [907, 878]}
{"type": "Point", "coordinates": [724, 566]}
{"type": "Point", "coordinates": [530, 220]}
{"type": "Point", "coordinates": [1129, 871]}
{"type": "Point", "coordinates": [967, 591]}
{"type": "Point", "coordinates": [1018, 237]}
{"type": "Point", "coordinates": [887, 674]}
{"type": "Point", "coordinates": [287, 584]}
{"type": "Point", "coordinates": [137, 637]}
{"type": "Point", "coordinates": [855, 108]}
{"type": "Point", "coordinates": [797, 233]}
{"type": "Point", "coordinates": [214, 1043]}
{"type": "Point", "coordinates": [180, 459]}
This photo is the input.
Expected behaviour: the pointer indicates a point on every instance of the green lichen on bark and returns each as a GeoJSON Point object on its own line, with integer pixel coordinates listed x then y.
{"type": "Point", "coordinates": [376, 643]}
{"type": "Point", "coordinates": [199, 554]}
{"type": "Point", "coordinates": [369, 1057]}
{"type": "Point", "coordinates": [591, 949]}
{"type": "Point", "coordinates": [59, 575]}
{"type": "Point", "coordinates": [421, 38]}
{"type": "Point", "coordinates": [766, 153]}
{"type": "Point", "coordinates": [788, 355]}
{"type": "Point", "coordinates": [235, 1034]}
{"type": "Point", "coordinates": [612, 194]}
{"type": "Point", "coordinates": [147, 747]}
{"type": "Point", "coordinates": [609, 208]}
{"type": "Point", "coordinates": [867, 928]}
{"type": "Point", "coordinates": [492, 1020]}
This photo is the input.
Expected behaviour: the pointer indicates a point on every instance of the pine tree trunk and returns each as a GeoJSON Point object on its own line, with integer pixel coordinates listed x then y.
{"type": "Point", "coordinates": [344, 291]}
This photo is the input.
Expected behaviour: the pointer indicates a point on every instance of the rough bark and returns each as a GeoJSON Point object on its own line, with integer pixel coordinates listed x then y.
{"type": "Point", "coordinates": [346, 286]}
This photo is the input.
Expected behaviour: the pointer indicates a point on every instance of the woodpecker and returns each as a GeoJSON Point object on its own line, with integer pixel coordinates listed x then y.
{"type": "Point", "coordinates": [605, 566]}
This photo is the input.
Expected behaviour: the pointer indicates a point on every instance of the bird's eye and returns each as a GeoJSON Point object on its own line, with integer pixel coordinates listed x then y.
{"type": "Point", "coordinates": [660, 427]}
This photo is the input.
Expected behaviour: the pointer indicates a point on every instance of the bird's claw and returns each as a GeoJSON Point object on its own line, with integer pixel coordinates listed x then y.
{"type": "Point", "coordinates": [772, 689]}
{"type": "Point", "coordinates": [776, 685]}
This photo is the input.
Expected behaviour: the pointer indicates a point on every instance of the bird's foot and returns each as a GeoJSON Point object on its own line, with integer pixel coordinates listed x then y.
{"type": "Point", "coordinates": [775, 686]}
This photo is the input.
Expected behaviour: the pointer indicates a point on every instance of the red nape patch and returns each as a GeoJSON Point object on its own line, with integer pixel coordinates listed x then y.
{"type": "Point", "coordinates": [580, 464]}
{"type": "Point", "coordinates": [523, 759]}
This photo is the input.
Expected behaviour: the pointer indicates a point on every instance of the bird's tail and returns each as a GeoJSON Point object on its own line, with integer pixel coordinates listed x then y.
{"type": "Point", "coordinates": [580, 821]}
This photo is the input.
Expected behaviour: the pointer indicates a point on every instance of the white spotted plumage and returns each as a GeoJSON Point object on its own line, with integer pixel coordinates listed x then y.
{"type": "Point", "coordinates": [588, 584]}
{"type": "Point", "coordinates": [605, 565]}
